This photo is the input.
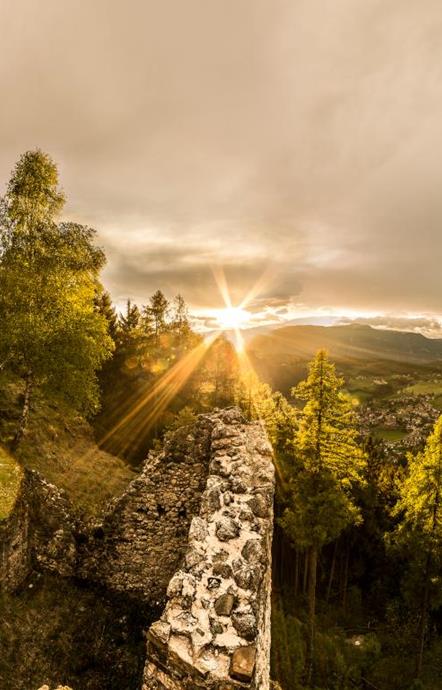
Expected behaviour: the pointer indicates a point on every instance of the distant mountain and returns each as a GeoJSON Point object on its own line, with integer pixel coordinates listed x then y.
{"type": "Point", "coordinates": [280, 355]}
{"type": "Point", "coordinates": [354, 341]}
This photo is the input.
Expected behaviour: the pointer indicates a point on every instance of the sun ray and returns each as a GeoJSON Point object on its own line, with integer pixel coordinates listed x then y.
{"type": "Point", "coordinates": [180, 372]}
{"type": "Point", "coordinates": [136, 421]}
{"type": "Point", "coordinates": [251, 378]}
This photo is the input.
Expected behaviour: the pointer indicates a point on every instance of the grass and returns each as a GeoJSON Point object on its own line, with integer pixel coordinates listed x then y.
{"type": "Point", "coordinates": [60, 632]}
{"type": "Point", "coordinates": [361, 396]}
{"type": "Point", "coordinates": [389, 434]}
{"type": "Point", "coordinates": [60, 444]}
{"type": "Point", "coordinates": [437, 402]}
{"type": "Point", "coordinates": [425, 388]}
{"type": "Point", "coordinates": [10, 476]}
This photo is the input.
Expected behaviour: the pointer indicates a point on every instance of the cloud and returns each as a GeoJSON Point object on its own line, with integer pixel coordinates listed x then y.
{"type": "Point", "coordinates": [431, 327]}
{"type": "Point", "coordinates": [301, 136]}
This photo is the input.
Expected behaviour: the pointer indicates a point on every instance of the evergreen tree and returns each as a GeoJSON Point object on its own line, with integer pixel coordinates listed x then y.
{"type": "Point", "coordinates": [51, 334]}
{"type": "Point", "coordinates": [180, 322]}
{"type": "Point", "coordinates": [129, 322]}
{"type": "Point", "coordinates": [105, 307]}
{"type": "Point", "coordinates": [158, 310]}
{"type": "Point", "coordinates": [221, 372]}
{"type": "Point", "coordinates": [257, 400]}
{"type": "Point", "coordinates": [420, 528]}
{"type": "Point", "coordinates": [327, 466]}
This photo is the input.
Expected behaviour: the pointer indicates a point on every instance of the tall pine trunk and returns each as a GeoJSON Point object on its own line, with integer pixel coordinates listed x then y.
{"type": "Point", "coordinates": [332, 571]}
{"type": "Point", "coordinates": [23, 421]}
{"type": "Point", "coordinates": [296, 572]}
{"type": "Point", "coordinates": [423, 618]}
{"type": "Point", "coordinates": [312, 571]}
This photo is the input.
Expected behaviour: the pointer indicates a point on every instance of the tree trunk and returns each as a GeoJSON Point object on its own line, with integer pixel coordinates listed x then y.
{"type": "Point", "coordinates": [312, 570]}
{"type": "Point", "coordinates": [296, 572]}
{"type": "Point", "coordinates": [5, 361]}
{"type": "Point", "coordinates": [23, 421]}
{"type": "Point", "coordinates": [304, 584]}
{"type": "Point", "coordinates": [332, 571]}
{"type": "Point", "coordinates": [345, 583]}
{"type": "Point", "coordinates": [423, 619]}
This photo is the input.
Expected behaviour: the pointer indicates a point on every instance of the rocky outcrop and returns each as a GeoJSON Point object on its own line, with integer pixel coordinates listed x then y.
{"type": "Point", "coordinates": [215, 629]}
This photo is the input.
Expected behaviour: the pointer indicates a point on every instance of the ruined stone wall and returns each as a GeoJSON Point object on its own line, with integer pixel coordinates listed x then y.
{"type": "Point", "coordinates": [198, 523]}
{"type": "Point", "coordinates": [40, 532]}
{"type": "Point", "coordinates": [14, 547]}
{"type": "Point", "coordinates": [215, 629]}
{"type": "Point", "coordinates": [141, 541]}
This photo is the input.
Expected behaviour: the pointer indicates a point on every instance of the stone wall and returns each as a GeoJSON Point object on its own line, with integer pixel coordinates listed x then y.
{"type": "Point", "coordinates": [197, 523]}
{"type": "Point", "coordinates": [141, 541]}
{"type": "Point", "coordinates": [40, 532]}
{"type": "Point", "coordinates": [215, 629]}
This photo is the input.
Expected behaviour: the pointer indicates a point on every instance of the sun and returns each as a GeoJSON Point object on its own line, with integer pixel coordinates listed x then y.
{"type": "Point", "coordinates": [232, 318]}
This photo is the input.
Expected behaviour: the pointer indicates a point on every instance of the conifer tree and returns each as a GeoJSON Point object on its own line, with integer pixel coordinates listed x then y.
{"type": "Point", "coordinates": [105, 307]}
{"type": "Point", "coordinates": [180, 321]}
{"type": "Point", "coordinates": [420, 528]}
{"type": "Point", "coordinates": [257, 400]}
{"type": "Point", "coordinates": [327, 466]}
{"type": "Point", "coordinates": [129, 323]}
{"type": "Point", "coordinates": [158, 310]}
{"type": "Point", "coordinates": [221, 372]}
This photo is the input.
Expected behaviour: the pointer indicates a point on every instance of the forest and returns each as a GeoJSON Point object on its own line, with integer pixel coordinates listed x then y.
{"type": "Point", "coordinates": [87, 390]}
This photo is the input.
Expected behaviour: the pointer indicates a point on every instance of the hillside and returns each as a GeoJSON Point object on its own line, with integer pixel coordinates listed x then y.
{"type": "Point", "coordinates": [354, 341]}
{"type": "Point", "coordinates": [59, 444]}
{"type": "Point", "coordinates": [280, 356]}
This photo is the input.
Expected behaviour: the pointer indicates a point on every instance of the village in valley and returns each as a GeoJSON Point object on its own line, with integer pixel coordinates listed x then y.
{"type": "Point", "coordinates": [398, 411]}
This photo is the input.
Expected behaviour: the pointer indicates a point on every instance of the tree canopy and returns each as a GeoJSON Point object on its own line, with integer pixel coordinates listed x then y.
{"type": "Point", "coordinates": [51, 331]}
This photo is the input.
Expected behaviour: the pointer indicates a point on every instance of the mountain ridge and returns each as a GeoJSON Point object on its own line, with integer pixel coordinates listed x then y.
{"type": "Point", "coordinates": [354, 341]}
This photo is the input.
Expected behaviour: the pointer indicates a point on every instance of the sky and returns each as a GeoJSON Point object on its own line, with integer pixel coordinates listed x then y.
{"type": "Point", "coordinates": [294, 145]}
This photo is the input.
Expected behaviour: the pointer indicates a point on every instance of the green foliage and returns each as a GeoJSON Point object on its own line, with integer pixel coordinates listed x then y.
{"type": "Point", "coordinates": [104, 306]}
{"type": "Point", "coordinates": [220, 370]}
{"type": "Point", "coordinates": [258, 401]}
{"type": "Point", "coordinates": [149, 344]}
{"type": "Point", "coordinates": [157, 312]}
{"type": "Point", "coordinates": [328, 463]}
{"type": "Point", "coordinates": [51, 331]}
{"type": "Point", "coordinates": [419, 505]}
{"type": "Point", "coordinates": [288, 648]}
{"type": "Point", "coordinates": [185, 417]}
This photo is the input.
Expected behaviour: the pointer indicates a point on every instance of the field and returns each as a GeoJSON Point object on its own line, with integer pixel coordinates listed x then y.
{"type": "Point", "coordinates": [391, 435]}
{"type": "Point", "coordinates": [425, 388]}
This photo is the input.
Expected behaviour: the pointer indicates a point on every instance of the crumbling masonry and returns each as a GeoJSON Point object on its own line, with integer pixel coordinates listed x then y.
{"type": "Point", "coordinates": [192, 534]}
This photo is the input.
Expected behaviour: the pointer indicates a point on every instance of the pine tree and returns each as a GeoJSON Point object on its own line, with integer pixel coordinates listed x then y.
{"type": "Point", "coordinates": [420, 529]}
{"type": "Point", "coordinates": [158, 310]}
{"type": "Point", "coordinates": [327, 466]}
{"type": "Point", "coordinates": [130, 321]}
{"type": "Point", "coordinates": [51, 334]}
{"type": "Point", "coordinates": [105, 307]}
{"type": "Point", "coordinates": [180, 322]}
{"type": "Point", "coordinates": [221, 370]}
{"type": "Point", "coordinates": [257, 400]}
